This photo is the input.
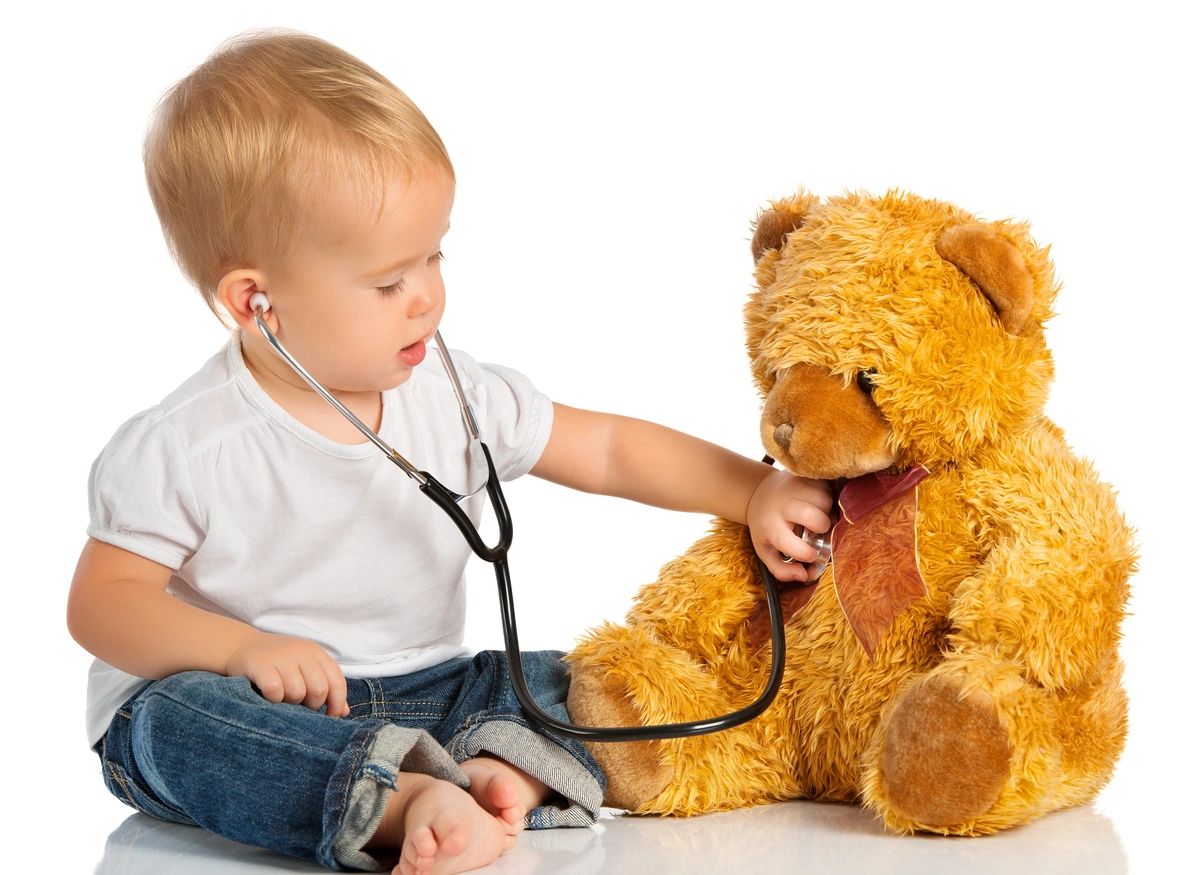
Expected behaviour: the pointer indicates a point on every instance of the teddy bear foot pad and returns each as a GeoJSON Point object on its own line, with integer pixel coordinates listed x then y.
{"type": "Point", "coordinates": [946, 756]}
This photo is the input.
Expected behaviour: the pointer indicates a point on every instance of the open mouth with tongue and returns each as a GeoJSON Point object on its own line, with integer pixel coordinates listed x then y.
{"type": "Point", "coordinates": [413, 354]}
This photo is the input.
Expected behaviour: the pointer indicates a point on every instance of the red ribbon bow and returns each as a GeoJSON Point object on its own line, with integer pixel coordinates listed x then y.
{"type": "Point", "coordinates": [876, 571]}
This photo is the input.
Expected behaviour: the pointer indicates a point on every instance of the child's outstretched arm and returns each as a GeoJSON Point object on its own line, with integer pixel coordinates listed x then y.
{"type": "Point", "coordinates": [120, 611]}
{"type": "Point", "coordinates": [631, 458]}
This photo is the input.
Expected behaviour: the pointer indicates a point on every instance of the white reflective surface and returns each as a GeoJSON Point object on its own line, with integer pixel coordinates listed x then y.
{"type": "Point", "coordinates": [803, 837]}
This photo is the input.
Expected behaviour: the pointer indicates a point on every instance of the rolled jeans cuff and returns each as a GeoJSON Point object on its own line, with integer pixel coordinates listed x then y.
{"type": "Point", "coordinates": [535, 754]}
{"type": "Point", "coordinates": [357, 794]}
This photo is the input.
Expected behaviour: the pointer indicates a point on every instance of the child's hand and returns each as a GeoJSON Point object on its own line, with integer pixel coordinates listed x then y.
{"type": "Point", "coordinates": [781, 502]}
{"type": "Point", "coordinates": [295, 670]}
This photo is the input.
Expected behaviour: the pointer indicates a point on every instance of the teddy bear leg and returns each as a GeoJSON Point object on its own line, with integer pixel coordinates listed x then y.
{"type": "Point", "coordinates": [701, 598]}
{"type": "Point", "coordinates": [635, 770]}
{"type": "Point", "coordinates": [967, 749]}
{"type": "Point", "coordinates": [626, 676]}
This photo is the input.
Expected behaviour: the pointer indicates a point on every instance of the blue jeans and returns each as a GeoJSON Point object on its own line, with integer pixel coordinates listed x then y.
{"type": "Point", "coordinates": [204, 749]}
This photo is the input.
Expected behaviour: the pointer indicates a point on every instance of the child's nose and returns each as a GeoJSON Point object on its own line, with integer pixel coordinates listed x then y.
{"type": "Point", "coordinates": [424, 297]}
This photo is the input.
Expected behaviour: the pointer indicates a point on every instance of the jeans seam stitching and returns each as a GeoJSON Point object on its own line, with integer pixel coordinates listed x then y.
{"type": "Point", "coordinates": [351, 775]}
{"type": "Point", "coordinates": [502, 674]}
{"type": "Point", "coordinates": [345, 788]}
{"type": "Point", "coordinates": [115, 771]}
{"type": "Point", "coordinates": [374, 689]}
{"type": "Point", "coordinates": [248, 729]}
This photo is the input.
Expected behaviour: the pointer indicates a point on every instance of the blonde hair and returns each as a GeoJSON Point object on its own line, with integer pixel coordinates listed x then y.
{"type": "Point", "coordinates": [234, 148]}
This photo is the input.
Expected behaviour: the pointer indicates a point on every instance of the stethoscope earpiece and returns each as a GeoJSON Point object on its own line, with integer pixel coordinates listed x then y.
{"type": "Point", "coordinates": [258, 301]}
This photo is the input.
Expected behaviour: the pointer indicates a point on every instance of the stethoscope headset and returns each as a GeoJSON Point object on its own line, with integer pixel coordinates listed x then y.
{"type": "Point", "coordinates": [497, 556]}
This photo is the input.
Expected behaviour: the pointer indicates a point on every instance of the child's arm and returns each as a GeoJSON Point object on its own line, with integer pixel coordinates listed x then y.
{"type": "Point", "coordinates": [631, 458]}
{"type": "Point", "coordinates": [120, 611]}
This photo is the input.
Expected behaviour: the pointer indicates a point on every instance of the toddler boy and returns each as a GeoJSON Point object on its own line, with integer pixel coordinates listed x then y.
{"type": "Point", "coordinates": [276, 612]}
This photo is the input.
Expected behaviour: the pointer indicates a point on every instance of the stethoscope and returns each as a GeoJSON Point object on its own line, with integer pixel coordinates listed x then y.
{"type": "Point", "coordinates": [448, 500]}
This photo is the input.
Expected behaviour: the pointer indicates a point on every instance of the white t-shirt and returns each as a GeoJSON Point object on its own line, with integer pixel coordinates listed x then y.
{"type": "Point", "coordinates": [269, 522]}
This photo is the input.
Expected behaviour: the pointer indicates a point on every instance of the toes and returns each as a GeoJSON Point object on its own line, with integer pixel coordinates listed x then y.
{"type": "Point", "coordinates": [493, 789]}
{"type": "Point", "coordinates": [512, 819]}
{"type": "Point", "coordinates": [419, 845]}
{"type": "Point", "coordinates": [404, 867]}
{"type": "Point", "coordinates": [452, 836]}
{"type": "Point", "coordinates": [501, 792]}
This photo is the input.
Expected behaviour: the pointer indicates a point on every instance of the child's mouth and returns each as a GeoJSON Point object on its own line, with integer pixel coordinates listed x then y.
{"type": "Point", "coordinates": [413, 355]}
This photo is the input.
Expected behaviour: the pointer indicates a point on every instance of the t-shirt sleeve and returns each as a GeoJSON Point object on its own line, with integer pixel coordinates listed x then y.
{"type": "Point", "coordinates": [140, 494]}
{"type": "Point", "coordinates": [515, 418]}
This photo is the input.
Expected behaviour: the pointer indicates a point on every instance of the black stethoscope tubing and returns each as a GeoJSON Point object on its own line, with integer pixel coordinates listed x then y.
{"type": "Point", "coordinates": [497, 556]}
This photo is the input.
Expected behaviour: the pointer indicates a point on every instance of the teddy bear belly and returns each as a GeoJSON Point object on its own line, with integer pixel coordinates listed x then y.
{"type": "Point", "coordinates": [833, 694]}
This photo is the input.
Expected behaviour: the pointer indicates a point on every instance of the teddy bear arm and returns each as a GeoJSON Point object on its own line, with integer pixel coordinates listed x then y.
{"type": "Point", "coordinates": [1054, 609]}
{"type": "Point", "coordinates": [1051, 581]}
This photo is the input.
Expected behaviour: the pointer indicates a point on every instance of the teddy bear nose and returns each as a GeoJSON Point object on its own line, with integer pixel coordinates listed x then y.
{"type": "Point", "coordinates": [782, 434]}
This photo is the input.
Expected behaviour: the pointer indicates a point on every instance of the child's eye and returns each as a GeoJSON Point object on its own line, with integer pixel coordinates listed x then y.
{"type": "Point", "coordinates": [398, 286]}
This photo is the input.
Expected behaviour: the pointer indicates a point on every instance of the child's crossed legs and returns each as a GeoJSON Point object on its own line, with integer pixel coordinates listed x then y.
{"type": "Point", "coordinates": [206, 749]}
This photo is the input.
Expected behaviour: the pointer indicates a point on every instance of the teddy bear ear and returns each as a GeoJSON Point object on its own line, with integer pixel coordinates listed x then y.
{"type": "Point", "coordinates": [773, 225]}
{"type": "Point", "coordinates": [995, 266]}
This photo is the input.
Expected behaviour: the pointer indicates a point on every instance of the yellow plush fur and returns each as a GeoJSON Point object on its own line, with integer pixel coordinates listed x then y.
{"type": "Point", "coordinates": [888, 332]}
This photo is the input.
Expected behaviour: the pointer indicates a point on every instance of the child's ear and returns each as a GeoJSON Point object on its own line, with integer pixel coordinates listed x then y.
{"type": "Point", "coordinates": [234, 292]}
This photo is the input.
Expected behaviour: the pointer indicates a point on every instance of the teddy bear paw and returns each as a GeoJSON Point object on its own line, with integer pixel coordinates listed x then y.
{"type": "Point", "coordinates": [945, 758]}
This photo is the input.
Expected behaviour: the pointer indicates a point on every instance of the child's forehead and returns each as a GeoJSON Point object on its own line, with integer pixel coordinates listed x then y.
{"type": "Point", "coordinates": [356, 213]}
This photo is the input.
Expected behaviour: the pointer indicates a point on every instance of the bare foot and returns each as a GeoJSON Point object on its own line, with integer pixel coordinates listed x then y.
{"type": "Point", "coordinates": [504, 791]}
{"type": "Point", "coordinates": [438, 827]}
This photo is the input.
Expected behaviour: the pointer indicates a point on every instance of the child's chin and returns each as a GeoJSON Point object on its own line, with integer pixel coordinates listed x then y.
{"type": "Point", "coordinates": [402, 377]}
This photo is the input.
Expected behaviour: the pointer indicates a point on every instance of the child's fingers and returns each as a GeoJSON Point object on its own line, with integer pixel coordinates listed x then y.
{"type": "Point", "coordinates": [294, 686]}
{"type": "Point", "coordinates": [790, 544]}
{"type": "Point", "coordinates": [335, 702]}
{"type": "Point", "coordinates": [808, 515]}
{"type": "Point", "coordinates": [785, 572]}
{"type": "Point", "coordinates": [783, 564]}
{"type": "Point", "coordinates": [817, 492]}
{"type": "Point", "coordinates": [269, 683]}
{"type": "Point", "coordinates": [316, 686]}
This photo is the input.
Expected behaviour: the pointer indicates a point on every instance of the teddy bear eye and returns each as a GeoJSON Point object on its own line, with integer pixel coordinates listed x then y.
{"type": "Point", "coordinates": [866, 381]}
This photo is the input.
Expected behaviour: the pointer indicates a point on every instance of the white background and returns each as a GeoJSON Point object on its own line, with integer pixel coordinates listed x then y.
{"type": "Point", "coordinates": [610, 160]}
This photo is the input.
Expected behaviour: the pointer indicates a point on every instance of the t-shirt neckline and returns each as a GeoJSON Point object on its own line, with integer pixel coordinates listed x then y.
{"type": "Point", "coordinates": [258, 396]}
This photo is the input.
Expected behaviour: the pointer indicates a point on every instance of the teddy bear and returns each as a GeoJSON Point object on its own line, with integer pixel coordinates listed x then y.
{"type": "Point", "coordinates": [954, 669]}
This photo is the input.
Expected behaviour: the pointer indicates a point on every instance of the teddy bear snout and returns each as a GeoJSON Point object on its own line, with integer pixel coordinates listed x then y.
{"type": "Point", "coordinates": [782, 434]}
